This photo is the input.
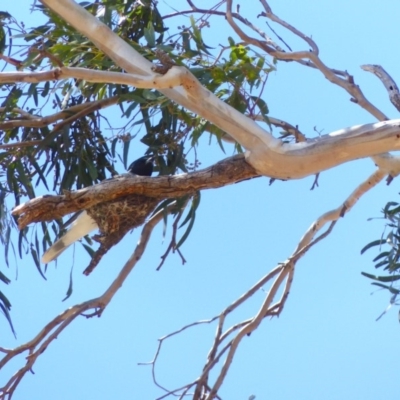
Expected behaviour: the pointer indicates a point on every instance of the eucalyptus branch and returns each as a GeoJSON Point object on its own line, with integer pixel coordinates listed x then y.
{"type": "Point", "coordinates": [50, 332]}
{"type": "Point", "coordinates": [236, 15]}
{"type": "Point", "coordinates": [216, 352]}
{"type": "Point", "coordinates": [268, 155]}
{"type": "Point", "coordinates": [286, 126]}
{"type": "Point", "coordinates": [76, 111]}
{"type": "Point", "coordinates": [265, 155]}
{"type": "Point", "coordinates": [267, 39]}
{"type": "Point", "coordinates": [273, 17]}
{"type": "Point", "coordinates": [27, 143]}
{"type": "Point", "coordinates": [347, 84]}
{"type": "Point", "coordinates": [285, 273]}
{"type": "Point", "coordinates": [247, 329]}
{"type": "Point", "coordinates": [46, 208]}
{"type": "Point", "coordinates": [160, 343]}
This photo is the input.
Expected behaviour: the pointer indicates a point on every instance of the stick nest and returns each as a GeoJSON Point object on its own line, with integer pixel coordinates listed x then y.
{"type": "Point", "coordinates": [115, 219]}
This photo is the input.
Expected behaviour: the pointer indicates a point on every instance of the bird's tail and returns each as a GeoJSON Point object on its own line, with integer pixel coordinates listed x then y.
{"type": "Point", "coordinates": [83, 225]}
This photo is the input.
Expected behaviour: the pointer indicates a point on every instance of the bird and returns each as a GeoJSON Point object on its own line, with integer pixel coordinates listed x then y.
{"type": "Point", "coordinates": [143, 166]}
{"type": "Point", "coordinates": [83, 224]}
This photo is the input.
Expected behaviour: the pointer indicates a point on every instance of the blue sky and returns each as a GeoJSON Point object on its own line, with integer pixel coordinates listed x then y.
{"type": "Point", "coordinates": [326, 344]}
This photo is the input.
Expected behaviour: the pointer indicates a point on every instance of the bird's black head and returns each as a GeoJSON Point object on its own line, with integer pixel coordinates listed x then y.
{"type": "Point", "coordinates": [142, 166]}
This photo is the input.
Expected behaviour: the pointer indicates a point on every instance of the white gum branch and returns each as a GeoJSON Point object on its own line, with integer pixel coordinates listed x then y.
{"type": "Point", "coordinates": [269, 156]}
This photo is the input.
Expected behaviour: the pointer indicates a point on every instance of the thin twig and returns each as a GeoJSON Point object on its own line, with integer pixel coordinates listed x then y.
{"type": "Point", "coordinates": [33, 121]}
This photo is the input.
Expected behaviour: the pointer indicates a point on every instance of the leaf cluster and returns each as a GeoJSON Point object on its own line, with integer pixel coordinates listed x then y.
{"type": "Point", "coordinates": [388, 258]}
{"type": "Point", "coordinates": [56, 136]}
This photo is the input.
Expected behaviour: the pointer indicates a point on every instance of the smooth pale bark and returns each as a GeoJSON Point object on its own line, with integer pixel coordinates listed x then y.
{"type": "Point", "coordinates": [269, 156]}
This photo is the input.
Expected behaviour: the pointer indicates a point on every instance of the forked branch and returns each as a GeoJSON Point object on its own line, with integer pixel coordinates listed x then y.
{"type": "Point", "coordinates": [35, 347]}
{"type": "Point", "coordinates": [227, 340]}
{"type": "Point", "coordinates": [269, 156]}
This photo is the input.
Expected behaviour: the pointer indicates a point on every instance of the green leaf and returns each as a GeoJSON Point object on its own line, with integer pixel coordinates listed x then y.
{"type": "Point", "coordinates": [88, 249]}
{"type": "Point", "coordinates": [260, 63]}
{"type": "Point", "coordinates": [46, 89]}
{"type": "Point", "coordinates": [24, 179]}
{"type": "Point", "coordinates": [381, 264]}
{"type": "Point", "coordinates": [187, 232]}
{"type": "Point", "coordinates": [373, 244]}
{"type": "Point", "coordinates": [91, 169]}
{"type": "Point", "coordinates": [7, 314]}
{"type": "Point", "coordinates": [64, 130]}
{"type": "Point", "coordinates": [37, 262]}
{"type": "Point", "coordinates": [5, 301]}
{"type": "Point", "coordinates": [39, 171]}
{"type": "Point", "coordinates": [11, 100]}
{"type": "Point", "coordinates": [389, 205]}
{"type": "Point", "coordinates": [21, 237]}
{"type": "Point", "coordinates": [32, 91]}
{"type": "Point", "coordinates": [127, 143]}
{"type": "Point", "coordinates": [383, 254]}
{"type": "Point", "coordinates": [191, 217]}
{"type": "Point", "coordinates": [150, 94]}
{"type": "Point", "coordinates": [196, 32]}
{"type": "Point", "coordinates": [391, 289]}
{"type": "Point", "coordinates": [113, 146]}
{"type": "Point", "coordinates": [262, 105]}
{"type": "Point", "coordinates": [70, 286]}
{"type": "Point", "coordinates": [7, 243]}
{"type": "Point", "coordinates": [164, 204]}
{"type": "Point", "coordinates": [2, 39]}
{"type": "Point", "coordinates": [4, 15]}
{"type": "Point", "coordinates": [4, 279]}
{"type": "Point", "coordinates": [150, 35]}
{"type": "Point", "coordinates": [131, 107]}
{"type": "Point", "coordinates": [391, 278]}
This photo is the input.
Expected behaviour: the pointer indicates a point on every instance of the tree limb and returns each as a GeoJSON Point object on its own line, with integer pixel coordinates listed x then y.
{"type": "Point", "coordinates": [46, 208]}
{"type": "Point", "coordinates": [50, 332]}
{"type": "Point", "coordinates": [269, 156]}
{"type": "Point", "coordinates": [33, 121]}
{"type": "Point", "coordinates": [387, 164]}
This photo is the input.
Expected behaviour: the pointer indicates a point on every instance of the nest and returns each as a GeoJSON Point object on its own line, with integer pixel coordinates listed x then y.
{"type": "Point", "coordinates": [115, 219]}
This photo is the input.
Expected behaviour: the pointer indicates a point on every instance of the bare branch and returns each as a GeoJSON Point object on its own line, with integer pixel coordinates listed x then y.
{"type": "Point", "coordinates": [46, 208]}
{"type": "Point", "coordinates": [285, 272]}
{"type": "Point", "coordinates": [388, 82]}
{"type": "Point", "coordinates": [268, 13]}
{"type": "Point", "coordinates": [347, 84]}
{"type": "Point", "coordinates": [290, 129]}
{"type": "Point", "coordinates": [266, 154]}
{"type": "Point", "coordinates": [387, 165]}
{"type": "Point", "coordinates": [33, 121]}
{"type": "Point", "coordinates": [247, 329]}
{"type": "Point", "coordinates": [46, 336]}
{"type": "Point", "coordinates": [269, 156]}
